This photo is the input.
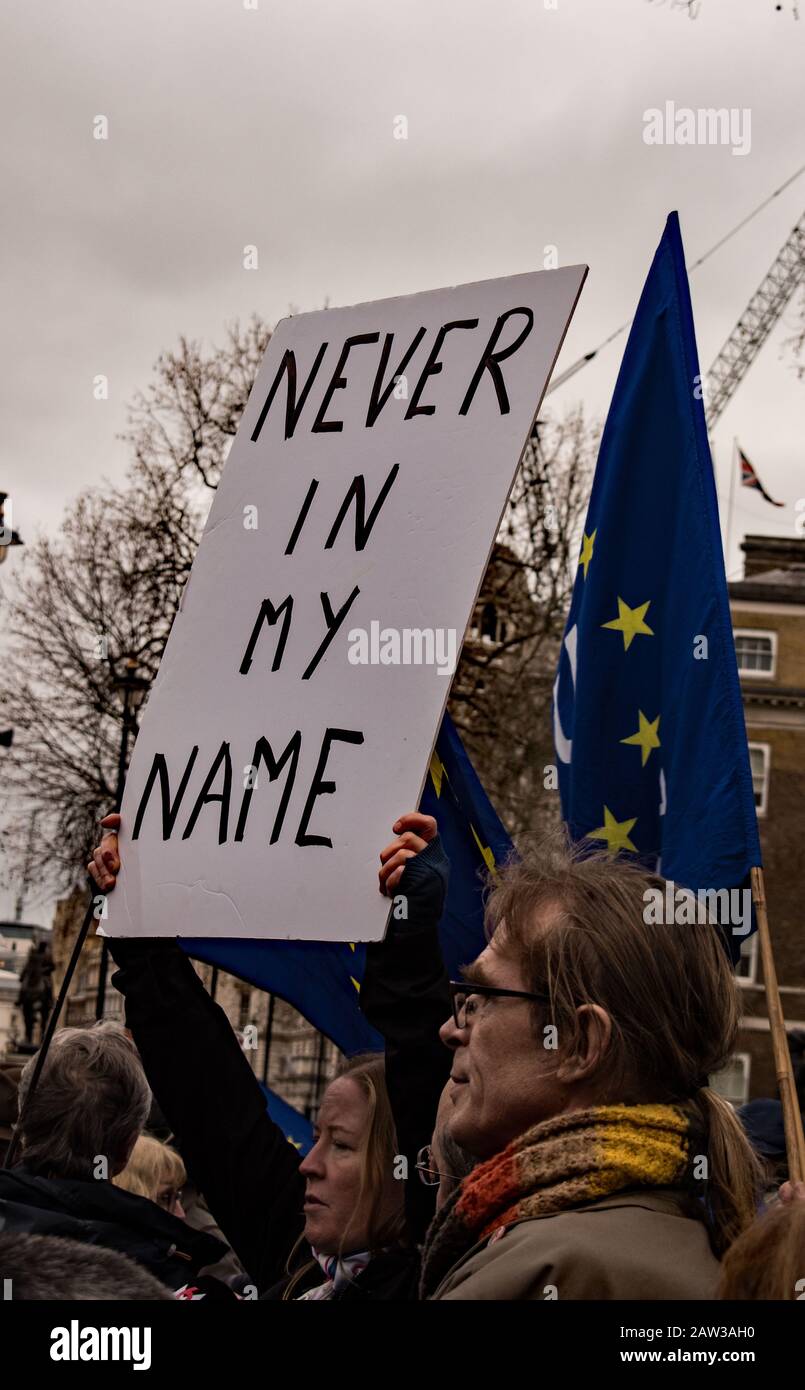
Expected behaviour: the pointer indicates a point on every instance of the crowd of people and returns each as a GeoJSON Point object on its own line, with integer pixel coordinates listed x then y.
{"type": "Point", "coordinates": [541, 1128]}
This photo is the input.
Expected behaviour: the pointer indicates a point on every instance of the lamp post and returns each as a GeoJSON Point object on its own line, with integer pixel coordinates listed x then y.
{"type": "Point", "coordinates": [8, 537]}
{"type": "Point", "coordinates": [133, 688]}
{"type": "Point", "coordinates": [269, 1031]}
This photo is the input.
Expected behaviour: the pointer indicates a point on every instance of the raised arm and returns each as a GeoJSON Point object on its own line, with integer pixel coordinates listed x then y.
{"type": "Point", "coordinates": [404, 995]}
{"type": "Point", "coordinates": [208, 1093]}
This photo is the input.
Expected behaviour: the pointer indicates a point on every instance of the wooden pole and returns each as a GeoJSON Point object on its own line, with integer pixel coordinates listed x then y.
{"type": "Point", "coordinates": [792, 1119]}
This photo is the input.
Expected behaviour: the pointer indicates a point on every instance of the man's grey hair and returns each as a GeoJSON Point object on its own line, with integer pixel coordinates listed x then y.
{"type": "Point", "coordinates": [91, 1102]}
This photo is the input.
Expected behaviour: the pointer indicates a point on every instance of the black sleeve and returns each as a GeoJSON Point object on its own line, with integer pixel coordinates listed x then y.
{"type": "Point", "coordinates": [404, 995]}
{"type": "Point", "coordinates": [209, 1095]}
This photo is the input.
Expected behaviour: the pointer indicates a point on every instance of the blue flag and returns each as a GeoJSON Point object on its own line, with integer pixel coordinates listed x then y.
{"type": "Point", "coordinates": [648, 720]}
{"type": "Point", "coordinates": [322, 979]}
{"type": "Point", "coordinates": [297, 1130]}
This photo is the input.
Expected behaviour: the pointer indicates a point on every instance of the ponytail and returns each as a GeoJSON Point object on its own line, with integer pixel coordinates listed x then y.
{"type": "Point", "coordinates": [734, 1173]}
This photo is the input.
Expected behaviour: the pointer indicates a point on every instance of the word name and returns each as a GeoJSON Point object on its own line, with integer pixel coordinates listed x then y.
{"type": "Point", "coordinates": [220, 773]}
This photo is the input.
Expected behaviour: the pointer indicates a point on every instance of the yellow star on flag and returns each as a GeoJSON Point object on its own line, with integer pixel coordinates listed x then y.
{"type": "Point", "coordinates": [587, 550]}
{"type": "Point", "coordinates": [630, 621]}
{"type": "Point", "coordinates": [616, 833]}
{"type": "Point", "coordinates": [437, 772]}
{"type": "Point", "coordinates": [646, 737]}
{"type": "Point", "coordinates": [355, 982]}
{"type": "Point", "coordinates": [486, 853]}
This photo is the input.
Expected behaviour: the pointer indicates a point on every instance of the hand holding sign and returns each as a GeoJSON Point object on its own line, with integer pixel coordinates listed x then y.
{"type": "Point", "coordinates": [104, 865]}
{"type": "Point", "coordinates": [414, 832]}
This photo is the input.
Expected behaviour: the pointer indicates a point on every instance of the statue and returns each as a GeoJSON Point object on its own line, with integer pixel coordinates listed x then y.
{"type": "Point", "coordinates": [36, 991]}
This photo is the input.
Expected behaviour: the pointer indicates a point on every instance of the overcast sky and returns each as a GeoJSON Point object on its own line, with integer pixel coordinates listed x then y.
{"type": "Point", "coordinates": [274, 126]}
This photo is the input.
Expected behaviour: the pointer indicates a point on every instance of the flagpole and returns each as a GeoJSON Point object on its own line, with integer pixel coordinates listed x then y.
{"type": "Point", "coordinates": [733, 462]}
{"type": "Point", "coordinates": [792, 1119]}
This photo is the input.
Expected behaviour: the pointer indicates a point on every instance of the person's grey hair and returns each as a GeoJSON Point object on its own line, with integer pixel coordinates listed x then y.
{"type": "Point", "coordinates": [52, 1268]}
{"type": "Point", "coordinates": [91, 1101]}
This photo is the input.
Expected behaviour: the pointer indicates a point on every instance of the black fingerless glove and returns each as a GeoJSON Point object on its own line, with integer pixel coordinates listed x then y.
{"type": "Point", "coordinates": [420, 895]}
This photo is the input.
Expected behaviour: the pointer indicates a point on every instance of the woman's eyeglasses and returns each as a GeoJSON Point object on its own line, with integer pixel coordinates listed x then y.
{"type": "Point", "coordinates": [429, 1174]}
{"type": "Point", "coordinates": [466, 997]}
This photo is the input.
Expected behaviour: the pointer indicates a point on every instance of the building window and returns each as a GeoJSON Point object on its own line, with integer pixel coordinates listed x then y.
{"type": "Point", "coordinates": [756, 652]}
{"type": "Point", "coordinates": [759, 761]}
{"type": "Point", "coordinates": [732, 1082]}
{"type": "Point", "coordinates": [243, 1009]}
{"type": "Point", "coordinates": [746, 968]}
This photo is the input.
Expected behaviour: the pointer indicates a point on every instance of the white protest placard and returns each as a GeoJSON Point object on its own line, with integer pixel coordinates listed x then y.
{"type": "Point", "coordinates": [303, 683]}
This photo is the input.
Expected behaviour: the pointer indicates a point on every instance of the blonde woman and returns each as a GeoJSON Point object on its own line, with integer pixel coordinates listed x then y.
{"type": "Point", "coordinates": [157, 1172]}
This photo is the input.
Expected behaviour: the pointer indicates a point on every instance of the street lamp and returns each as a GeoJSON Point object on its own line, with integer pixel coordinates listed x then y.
{"type": "Point", "coordinates": [133, 689]}
{"type": "Point", "coordinates": [8, 536]}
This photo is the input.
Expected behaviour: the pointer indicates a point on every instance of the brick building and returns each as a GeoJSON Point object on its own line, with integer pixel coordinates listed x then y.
{"type": "Point", "coordinates": [768, 616]}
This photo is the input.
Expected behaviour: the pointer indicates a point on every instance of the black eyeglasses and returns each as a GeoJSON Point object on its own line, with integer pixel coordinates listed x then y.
{"type": "Point", "coordinates": [462, 992]}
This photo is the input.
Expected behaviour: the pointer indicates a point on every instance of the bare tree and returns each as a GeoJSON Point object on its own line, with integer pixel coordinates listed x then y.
{"type": "Point", "coordinates": [501, 697]}
{"type": "Point", "coordinates": [103, 592]}
{"type": "Point", "coordinates": [106, 591]}
{"type": "Point", "coordinates": [184, 422]}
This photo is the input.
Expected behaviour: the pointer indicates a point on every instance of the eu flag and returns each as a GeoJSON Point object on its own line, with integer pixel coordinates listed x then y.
{"type": "Point", "coordinates": [322, 979]}
{"type": "Point", "coordinates": [297, 1129]}
{"type": "Point", "coordinates": [648, 720]}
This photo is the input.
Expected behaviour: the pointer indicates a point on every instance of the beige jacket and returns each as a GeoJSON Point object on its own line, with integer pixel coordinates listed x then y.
{"type": "Point", "coordinates": [641, 1244]}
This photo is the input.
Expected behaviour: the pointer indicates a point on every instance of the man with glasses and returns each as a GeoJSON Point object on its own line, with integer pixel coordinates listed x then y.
{"type": "Point", "coordinates": [582, 1039]}
{"type": "Point", "coordinates": [497, 1088]}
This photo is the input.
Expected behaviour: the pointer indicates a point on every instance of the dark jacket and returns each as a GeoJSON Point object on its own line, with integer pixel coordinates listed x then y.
{"type": "Point", "coordinates": [208, 1093]}
{"type": "Point", "coordinates": [98, 1213]}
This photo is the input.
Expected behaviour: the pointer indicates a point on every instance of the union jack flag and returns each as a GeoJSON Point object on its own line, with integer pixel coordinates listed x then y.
{"type": "Point", "coordinates": [749, 478]}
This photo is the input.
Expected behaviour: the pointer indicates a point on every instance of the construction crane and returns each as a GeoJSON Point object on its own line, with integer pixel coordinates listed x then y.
{"type": "Point", "coordinates": [755, 324]}
{"type": "Point", "coordinates": [752, 328]}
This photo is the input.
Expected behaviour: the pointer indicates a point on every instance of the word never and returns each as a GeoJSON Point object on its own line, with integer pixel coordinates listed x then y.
{"type": "Point", "coordinates": [385, 380]}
